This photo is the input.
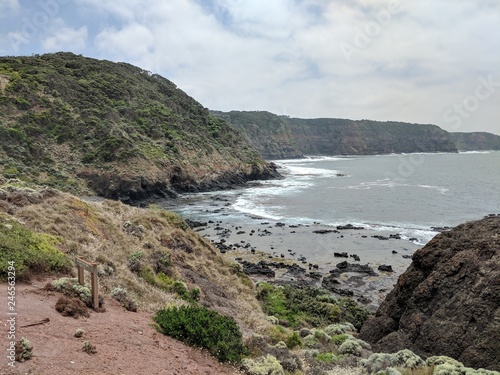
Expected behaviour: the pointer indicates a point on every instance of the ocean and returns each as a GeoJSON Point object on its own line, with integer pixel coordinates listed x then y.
{"type": "Point", "coordinates": [407, 194]}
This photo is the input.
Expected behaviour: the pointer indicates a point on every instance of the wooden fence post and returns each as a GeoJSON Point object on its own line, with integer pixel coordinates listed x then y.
{"type": "Point", "coordinates": [92, 268]}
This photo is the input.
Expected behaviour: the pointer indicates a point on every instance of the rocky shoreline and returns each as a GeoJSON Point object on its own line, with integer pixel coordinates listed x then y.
{"type": "Point", "coordinates": [351, 261]}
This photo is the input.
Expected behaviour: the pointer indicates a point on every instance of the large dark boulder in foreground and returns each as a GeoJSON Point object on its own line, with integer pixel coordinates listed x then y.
{"type": "Point", "coordinates": [447, 302]}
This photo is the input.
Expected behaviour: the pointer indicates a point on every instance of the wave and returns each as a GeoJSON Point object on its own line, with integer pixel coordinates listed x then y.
{"type": "Point", "coordinates": [248, 207]}
{"type": "Point", "coordinates": [299, 171]}
{"type": "Point", "coordinates": [312, 159]}
{"type": "Point", "coordinates": [388, 183]}
{"type": "Point", "coordinates": [476, 152]}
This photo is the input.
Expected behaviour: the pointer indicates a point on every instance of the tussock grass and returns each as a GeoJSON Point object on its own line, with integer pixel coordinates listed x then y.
{"type": "Point", "coordinates": [110, 232]}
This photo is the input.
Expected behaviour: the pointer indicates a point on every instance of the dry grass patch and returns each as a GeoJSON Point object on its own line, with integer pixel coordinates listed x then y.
{"type": "Point", "coordinates": [110, 233]}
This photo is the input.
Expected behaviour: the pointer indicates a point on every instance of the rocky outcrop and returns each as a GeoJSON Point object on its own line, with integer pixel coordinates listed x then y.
{"type": "Point", "coordinates": [167, 184]}
{"type": "Point", "coordinates": [448, 301]}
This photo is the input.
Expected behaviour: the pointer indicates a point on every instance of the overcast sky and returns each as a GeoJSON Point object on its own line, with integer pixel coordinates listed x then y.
{"type": "Point", "coordinates": [423, 61]}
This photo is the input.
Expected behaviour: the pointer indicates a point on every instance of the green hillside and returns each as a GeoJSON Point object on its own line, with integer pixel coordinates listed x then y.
{"type": "Point", "coordinates": [86, 125]}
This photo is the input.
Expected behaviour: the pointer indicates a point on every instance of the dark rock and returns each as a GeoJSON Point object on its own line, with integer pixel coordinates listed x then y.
{"type": "Point", "coordinates": [259, 268]}
{"type": "Point", "coordinates": [356, 257]}
{"type": "Point", "coordinates": [395, 236]}
{"type": "Point", "coordinates": [385, 268]}
{"type": "Point", "coordinates": [384, 238]}
{"type": "Point", "coordinates": [440, 229]}
{"type": "Point", "coordinates": [331, 284]}
{"type": "Point", "coordinates": [314, 275]}
{"type": "Point", "coordinates": [195, 224]}
{"type": "Point", "coordinates": [349, 226]}
{"type": "Point", "coordinates": [448, 300]}
{"type": "Point", "coordinates": [394, 252]}
{"type": "Point", "coordinates": [353, 267]}
{"type": "Point", "coordinates": [341, 255]}
{"type": "Point", "coordinates": [325, 231]}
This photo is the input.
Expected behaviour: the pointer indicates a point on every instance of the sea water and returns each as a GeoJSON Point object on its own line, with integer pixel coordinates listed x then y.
{"type": "Point", "coordinates": [404, 193]}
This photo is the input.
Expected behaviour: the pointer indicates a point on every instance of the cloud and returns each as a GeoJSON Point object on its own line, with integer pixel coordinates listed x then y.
{"type": "Point", "coordinates": [409, 63]}
{"type": "Point", "coordinates": [65, 38]}
{"type": "Point", "coordinates": [8, 6]}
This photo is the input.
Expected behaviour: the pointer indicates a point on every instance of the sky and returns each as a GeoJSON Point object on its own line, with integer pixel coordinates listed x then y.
{"type": "Point", "coordinates": [418, 61]}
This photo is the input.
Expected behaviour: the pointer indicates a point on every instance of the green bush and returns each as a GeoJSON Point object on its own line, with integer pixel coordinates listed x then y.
{"type": "Point", "coordinates": [201, 327]}
{"type": "Point", "coordinates": [298, 307]}
{"type": "Point", "coordinates": [31, 252]}
{"type": "Point", "coordinates": [293, 341]}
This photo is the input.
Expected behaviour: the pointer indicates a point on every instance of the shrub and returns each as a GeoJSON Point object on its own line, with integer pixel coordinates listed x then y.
{"type": "Point", "coordinates": [404, 359]}
{"type": "Point", "coordinates": [353, 313]}
{"type": "Point", "coordinates": [24, 350]}
{"type": "Point", "coordinates": [201, 327]}
{"type": "Point", "coordinates": [71, 306]}
{"type": "Point", "coordinates": [293, 341]}
{"type": "Point", "coordinates": [79, 332]}
{"type": "Point", "coordinates": [31, 252]}
{"type": "Point", "coordinates": [339, 339]}
{"type": "Point", "coordinates": [327, 357]}
{"type": "Point", "coordinates": [298, 307]}
{"type": "Point", "coordinates": [121, 295]}
{"type": "Point", "coordinates": [89, 348]}
{"type": "Point", "coordinates": [351, 346]}
{"type": "Point", "coordinates": [339, 328]}
{"type": "Point", "coordinates": [267, 365]}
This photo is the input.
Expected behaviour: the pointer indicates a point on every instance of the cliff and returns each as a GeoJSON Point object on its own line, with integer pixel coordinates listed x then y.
{"type": "Point", "coordinates": [267, 133]}
{"type": "Point", "coordinates": [86, 125]}
{"type": "Point", "coordinates": [448, 301]}
{"type": "Point", "coordinates": [339, 136]}
{"type": "Point", "coordinates": [476, 141]}
{"type": "Point", "coordinates": [279, 137]}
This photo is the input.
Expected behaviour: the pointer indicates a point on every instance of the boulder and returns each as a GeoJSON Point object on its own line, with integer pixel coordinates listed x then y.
{"type": "Point", "coordinates": [448, 300]}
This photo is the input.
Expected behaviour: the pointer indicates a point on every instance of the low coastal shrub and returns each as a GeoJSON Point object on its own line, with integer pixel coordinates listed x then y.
{"type": "Point", "coordinates": [121, 295]}
{"type": "Point", "coordinates": [351, 346]}
{"type": "Point", "coordinates": [31, 252]}
{"type": "Point", "coordinates": [299, 306]}
{"type": "Point", "coordinates": [23, 350]}
{"type": "Point", "coordinates": [201, 327]}
{"type": "Point", "coordinates": [405, 359]}
{"type": "Point", "coordinates": [266, 365]}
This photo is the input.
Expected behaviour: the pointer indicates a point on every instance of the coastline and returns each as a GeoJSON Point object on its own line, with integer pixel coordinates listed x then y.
{"type": "Point", "coordinates": [307, 254]}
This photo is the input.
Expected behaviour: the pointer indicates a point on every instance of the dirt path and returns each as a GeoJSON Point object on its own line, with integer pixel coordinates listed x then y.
{"type": "Point", "coordinates": [125, 341]}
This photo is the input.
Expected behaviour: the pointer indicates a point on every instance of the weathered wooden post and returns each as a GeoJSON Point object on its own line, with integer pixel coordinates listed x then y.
{"type": "Point", "coordinates": [92, 268]}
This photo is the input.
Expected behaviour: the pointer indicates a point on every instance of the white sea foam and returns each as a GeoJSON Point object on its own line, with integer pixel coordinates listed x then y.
{"type": "Point", "coordinates": [252, 208]}
{"type": "Point", "coordinates": [474, 152]}
{"type": "Point", "coordinates": [299, 171]}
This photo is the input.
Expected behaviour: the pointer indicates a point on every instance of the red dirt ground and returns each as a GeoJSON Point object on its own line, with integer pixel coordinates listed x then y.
{"type": "Point", "coordinates": [125, 342]}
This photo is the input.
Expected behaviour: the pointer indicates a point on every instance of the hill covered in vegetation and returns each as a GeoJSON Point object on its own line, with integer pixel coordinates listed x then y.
{"type": "Point", "coordinates": [113, 129]}
{"type": "Point", "coordinates": [284, 137]}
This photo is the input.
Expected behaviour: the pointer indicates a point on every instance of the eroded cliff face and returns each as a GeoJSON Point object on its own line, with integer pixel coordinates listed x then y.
{"type": "Point", "coordinates": [448, 301]}
{"type": "Point", "coordinates": [281, 137]}
{"type": "Point", "coordinates": [365, 137]}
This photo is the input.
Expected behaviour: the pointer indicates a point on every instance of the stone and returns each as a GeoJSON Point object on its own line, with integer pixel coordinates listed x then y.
{"type": "Point", "coordinates": [385, 268]}
{"type": "Point", "coordinates": [448, 300]}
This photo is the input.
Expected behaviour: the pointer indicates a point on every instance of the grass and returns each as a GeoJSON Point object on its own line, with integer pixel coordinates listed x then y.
{"type": "Point", "coordinates": [29, 251]}
{"type": "Point", "coordinates": [193, 268]}
{"type": "Point", "coordinates": [299, 307]}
